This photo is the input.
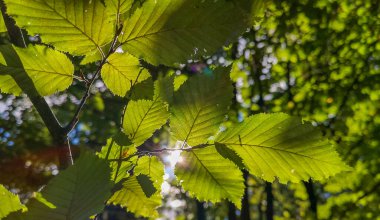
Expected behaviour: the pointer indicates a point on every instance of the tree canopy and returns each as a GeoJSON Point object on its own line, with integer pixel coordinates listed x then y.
{"type": "Point", "coordinates": [183, 109]}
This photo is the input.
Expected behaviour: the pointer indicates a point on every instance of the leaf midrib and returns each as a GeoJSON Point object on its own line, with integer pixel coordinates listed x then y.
{"type": "Point", "coordinates": [277, 149]}
{"type": "Point", "coordinates": [29, 69]}
{"type": "Point", "coordinates": [192, 126]}
{"type": "Point", "coordinates": [142, 119]}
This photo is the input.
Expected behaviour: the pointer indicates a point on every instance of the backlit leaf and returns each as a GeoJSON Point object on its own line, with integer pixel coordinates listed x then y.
{"type": "Point", "coordinates": [61, 23]}
{"type": "Point", "coordinates": [121, 72]}
{"type": "Point", "coordinates": [115, 150]}
{"type": "Point", "coordinates": [76, 193]}
{"type": "Point", "coordinates": [210, 177]}
{"type": "Point", "coordinates": [199, 107]}
{"type": "Point", "coordinates": [278, 145]}
{"type": "Point", "coordinates": [49, 70]}
{"type": "Point", "coordinates": [166, 32]}
{"type": "Point", "coordinates": [117, 7]}
{"type": "Point", "coordinates": [134, 196]}
{"type": "Point", "coordinates": [9, 202]}
{"type": "Point", "coordinates": [142, 118]}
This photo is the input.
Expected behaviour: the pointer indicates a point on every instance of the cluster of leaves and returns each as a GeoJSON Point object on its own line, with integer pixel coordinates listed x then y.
{"type": "Point", "coordinates": [115, 36]}
{"type": "Point", "coordinates": [318, 60]}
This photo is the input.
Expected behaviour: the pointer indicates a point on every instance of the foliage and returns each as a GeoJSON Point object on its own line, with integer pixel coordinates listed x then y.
{"type": "Point", "coordinates": [202, 173]}
{"type": "Point", "coordinates": [60, 23]}
{"type": "Point", "coordinates": [124, 42]}
{"type": "Point", "coordinates": [199, 108]}
{"type": "Point", "coordinates": [133, 194]}
{"type": "Point", "coordinates": [317, 60]}
{"type": "Point", "coordinates": [296, 150]}
{"type": "Point", "coordinates": [9, 202]}
{"type": "Point", "coordinates": [76, 193]}
{"type": "Point", "coordinates": [53, 72]}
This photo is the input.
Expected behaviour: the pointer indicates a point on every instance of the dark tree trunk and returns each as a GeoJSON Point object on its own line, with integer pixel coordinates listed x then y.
{"type": "Point", "coordinates": [57, 132]}
{"type": "Point", "coordinates": [269, 211]}
{"type": "Point", "coordinates": [313, 200]}
{"type": "Point", "coordinates": [201, 212]}
{"type": "Point", "coordinates": [245, 211]}
{"type": "Point", "coordinates": [231, 211]}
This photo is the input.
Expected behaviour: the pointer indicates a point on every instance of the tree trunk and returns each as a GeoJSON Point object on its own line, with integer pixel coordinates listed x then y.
{"type": "Point", "coordinates": [269, 211]}
{"type": "Point", "coordinates": [245, 211]}
{"type": "Point", "coordinates": [231, 211]}
{"type": "Point", "coordinates": [57, 132]}
{"type": "Point", "coordinates": [201, 212]}
{"type": "Point", "coordinates": [312, 198]}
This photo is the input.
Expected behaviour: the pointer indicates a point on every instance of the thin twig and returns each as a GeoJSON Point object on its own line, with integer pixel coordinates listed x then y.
{"type": "Point", "coordinates": [162, 150]}
{"type": "Point", "coordinates": [86, 95]}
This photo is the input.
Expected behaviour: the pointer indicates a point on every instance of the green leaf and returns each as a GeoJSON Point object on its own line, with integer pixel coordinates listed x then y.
{"type": "Point", "coordinates": [164, 88]}
{"type": "Point", "coordinates": [9, 202]}
{"type": "Point", "coordinates": [166, 32]}
{"type": "Point", "coordinates": [143, 90]}
{"type": "Point", "coordinates": [3, 28]}
{"type": "Point", "coordinates": [199, 107]}
{"type": "Point", "coordinates": [117, 7]}
{"type": "Point", "coordinates": [152, 167]}
{"type": "Point", "coordinates": [227, 153]}
{"type": "Point", "coordinates": [94, 55]}
{"type": "Point", "coordinates": [142, 118]}
{"type": "Point", "coordinates": [132, 197]}
{"type": "Point", "coordinates": [76, 193]}
{"type": "Point", "coordinates": [74, 26]}
{"type": "Point", "coordinates": [179, 81]}
{"type": "Point", "coordinates": [279, 145]}
{"type": "Point", "coordinates": [210, 177]}
{"type": "Point", "coordinates": [50, 70]}
{"type": "Point", "coordinates": [146, 184]}
{"type": "Point", "coordinates": [121, 72]}
{"type": "Point", "coordinates": [119, 148]}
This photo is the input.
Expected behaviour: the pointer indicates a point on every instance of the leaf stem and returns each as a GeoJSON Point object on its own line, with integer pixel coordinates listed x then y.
{"type": "Point", "coordinates": [162, 150]}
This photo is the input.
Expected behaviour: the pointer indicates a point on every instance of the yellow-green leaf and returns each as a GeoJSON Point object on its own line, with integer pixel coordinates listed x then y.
{"type": "Point", "coordinates": [117, 7]}
{"type": "Point", "coordinates": [49, 70]}
{"type": "Point", "coordinates": [210, 177]}
{"type": "Point", "coordinates": [74, 26]}
{"type": "Point", "coordinates": [199, 107]}
{"type": "Point", "coordinates": [9, 202]}
{"type": "Point", "coordinates": [152, 167]}
{"type": "Point", "coordinates": [116, 150]}
{"type": "Point", "coordinates": [279, 145]}
{"type": "Point", "coordinates": [121, 72]}
{"type": "Point", "coordinates": [142, 118]}
{"type": "Point", "coordinates": [167, 32]}
{"type": "Point", "coordinates": [133, 198]}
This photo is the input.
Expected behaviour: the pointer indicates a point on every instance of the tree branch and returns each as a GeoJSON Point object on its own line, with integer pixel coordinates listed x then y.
{"type": "Point", "coordinates": [16, 37]}
{"type": "Point", "coordinates": [69, 127]}
{"type": "Point", "coordinates": [158, 151]}
{"type": "Point", "coordinates": [26, 84]}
